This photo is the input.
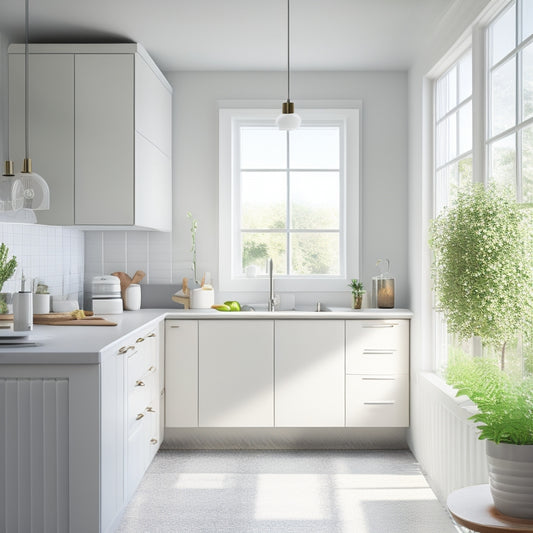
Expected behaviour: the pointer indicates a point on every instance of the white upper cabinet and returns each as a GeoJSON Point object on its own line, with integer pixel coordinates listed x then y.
{"type": "Point", "coordinates": [100, 133]}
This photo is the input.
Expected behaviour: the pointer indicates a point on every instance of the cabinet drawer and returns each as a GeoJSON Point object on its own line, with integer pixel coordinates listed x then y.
{"type": "Point", "coordinates": [139, 402]}
{"type": "Point", "coordinates": [377, 401]}
{"type": "Point", "coordinates": [377, 346]}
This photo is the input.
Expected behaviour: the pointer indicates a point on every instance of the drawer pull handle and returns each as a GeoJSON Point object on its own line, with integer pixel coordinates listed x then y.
{"type": "Point", "coordinates": [153, 441]}
{"type": "Point", "coordinates": [379, 378]}
{"type": "Point", "coordinates": [140, 383]}
{"type": "Point", "coordinates": [175, 327]}
{"type": "Point", "coordinates": [152, 369]}
{"type": "Point", "coordinates": [140, 339]}
{"type": "Point", "coordinates": [139, 416]}
{"type": "Point", "coordinates": [379, 352]}
{"type": "Point", "coordinates": [152, 335]}
{"type": "Point", "coordinates": [124, 349]}
{"type": "Point", "coordinates": [384, 402]}
{"type": "Point", "coordinates": [381, 325]}
{"type": "Point", "coordinates": [150, 410]}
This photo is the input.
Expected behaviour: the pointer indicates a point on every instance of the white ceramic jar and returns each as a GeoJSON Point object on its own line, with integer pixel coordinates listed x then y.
{"type": "Point", "coordinates": [132, 297]}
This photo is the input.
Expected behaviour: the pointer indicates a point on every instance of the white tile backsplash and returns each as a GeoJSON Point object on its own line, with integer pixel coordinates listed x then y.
{"type": "Point", "coordinates": [52, 254]}
{"type": "Point", "coordinates": [128, 251]}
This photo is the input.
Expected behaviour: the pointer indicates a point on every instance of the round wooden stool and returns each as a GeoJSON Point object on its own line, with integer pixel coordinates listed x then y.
{"type": "Point", "coordinates": [473, 508]}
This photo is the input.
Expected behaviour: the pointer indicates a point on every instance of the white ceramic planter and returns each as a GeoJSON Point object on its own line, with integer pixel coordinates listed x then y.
{"type": "Point", "coordinates": [511, 478]}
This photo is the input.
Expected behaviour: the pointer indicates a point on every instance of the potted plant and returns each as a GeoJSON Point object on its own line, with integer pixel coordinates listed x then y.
{"type": "Point", "coordinates": [7, 269]}
{"type": "Point", "coordinates": [483, 281]}
{"type": "Point", "coordinates": [357, 293]}
{"type": "Point", "coordinates": [505, 420]}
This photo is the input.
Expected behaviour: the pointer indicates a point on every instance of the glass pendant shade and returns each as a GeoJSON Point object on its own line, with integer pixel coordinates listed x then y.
{"type": "Point", "coordinates": [11, 190]}
{"type": "Point", "coordinates": [36, 192]}
{"type": "Point", "coordinates": [288, 121]}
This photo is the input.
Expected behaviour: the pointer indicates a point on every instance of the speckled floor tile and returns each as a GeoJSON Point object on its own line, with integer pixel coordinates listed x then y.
{"type": "Point", "coordinates": [285, 491]}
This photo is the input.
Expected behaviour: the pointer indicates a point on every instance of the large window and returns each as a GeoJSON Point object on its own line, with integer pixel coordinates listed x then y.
{"type": "Point", "coordinates": [510, 96]}
{"type": "Point", "coordinates": [453, 164]}
{"type": "Point", "coordinates": [502, 144]}
{"type": "Point", "coordinates": [288, 196]}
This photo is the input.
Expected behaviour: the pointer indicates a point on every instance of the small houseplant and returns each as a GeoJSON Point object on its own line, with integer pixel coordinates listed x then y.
{"type": "Point", "coordinates": [483, 279]}
{"type": "Point", "coordinates": [357, 293]}
{"type": "Point", "coordinates": [7, 269]}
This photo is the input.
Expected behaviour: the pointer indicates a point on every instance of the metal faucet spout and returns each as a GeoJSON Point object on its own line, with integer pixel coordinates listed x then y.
{"type": "Point", "coordinates": [271, 301]}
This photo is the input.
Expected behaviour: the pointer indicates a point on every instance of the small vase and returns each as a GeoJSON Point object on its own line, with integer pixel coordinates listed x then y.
{"type": "Point", "coordinates": [357, 301]}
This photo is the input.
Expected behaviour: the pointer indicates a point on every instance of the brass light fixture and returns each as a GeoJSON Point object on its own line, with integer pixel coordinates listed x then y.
{"type": "Point", "coordinates": [36, 190]}
{"type": "Point", "coordinates": [288, 120]}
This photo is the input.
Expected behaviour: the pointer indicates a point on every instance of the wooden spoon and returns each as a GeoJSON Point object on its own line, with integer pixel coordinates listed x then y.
{"type": "Point", "coordinates": [125, 281]}
{"type": "Point", "coordinates": [138, 276]}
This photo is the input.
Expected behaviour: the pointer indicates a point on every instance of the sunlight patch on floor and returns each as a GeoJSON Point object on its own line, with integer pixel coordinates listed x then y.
{"type": "Point", "coordinates": [291, 497]}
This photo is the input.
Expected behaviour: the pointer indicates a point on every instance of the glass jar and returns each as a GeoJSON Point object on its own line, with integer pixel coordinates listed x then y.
{"type": "Point", "coordinates": [383, 286]}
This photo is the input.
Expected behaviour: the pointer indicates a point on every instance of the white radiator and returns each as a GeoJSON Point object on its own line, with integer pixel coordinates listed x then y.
{"type": "Point", "coordinates": [34, 430]}
{"type": "Point", "coordinates": [444, 441]}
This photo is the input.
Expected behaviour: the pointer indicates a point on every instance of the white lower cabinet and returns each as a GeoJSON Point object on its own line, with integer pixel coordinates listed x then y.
{"type": "Point", "coordinates": [287, 373]}
{"type": "Point", "coordinates": [377, 401]}
{"type": "Point", "coordinates": [236, 373]}
{"type": "Point", "coordinates": [377, 373]}
{"type": "Point", "coordinates": [181, 373]}
{"type": "Point", "coordinates": [143, 379]}
{"type": "Point", "coordinates": [309, 373]}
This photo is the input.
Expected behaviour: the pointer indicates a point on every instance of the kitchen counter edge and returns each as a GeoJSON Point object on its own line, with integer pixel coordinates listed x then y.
{"type": "Point", "coordinates": [79, 345]}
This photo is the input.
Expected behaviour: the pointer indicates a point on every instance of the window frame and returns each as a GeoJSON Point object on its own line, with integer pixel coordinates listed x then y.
{"type": "Point", "coordinates": [231, 116]}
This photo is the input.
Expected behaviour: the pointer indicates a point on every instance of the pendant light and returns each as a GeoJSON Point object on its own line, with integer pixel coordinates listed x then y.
{"type": "Point", "coordinates": [36, 191]}
{"type": "Point", "coordinates": [11, 190]}
{"type": "Point", "coordinates": [288, 120]}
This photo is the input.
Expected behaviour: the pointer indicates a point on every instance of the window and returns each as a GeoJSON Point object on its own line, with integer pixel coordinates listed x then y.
{"type": "Point", "coordinates": [289, 196]}
{"type": "Point", "coordinates": [503, 61]}
{"type": "Point", "coordinates": [453, 130]}
{"type": "Point", "coordinates": [453, 163]}
{"type": "Point", "coordinates": [509, 142]}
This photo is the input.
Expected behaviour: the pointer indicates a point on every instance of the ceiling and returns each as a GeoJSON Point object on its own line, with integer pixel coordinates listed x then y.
{"type": "Point", "coordinates": [240, 34]}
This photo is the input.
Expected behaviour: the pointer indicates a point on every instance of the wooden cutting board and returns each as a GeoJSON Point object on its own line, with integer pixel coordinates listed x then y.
{"type": "Point", "coordinates": [65, 319]}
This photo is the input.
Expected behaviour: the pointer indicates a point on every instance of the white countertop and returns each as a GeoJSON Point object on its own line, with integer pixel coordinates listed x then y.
{"type": "Point", "coordinates": [85, 344]}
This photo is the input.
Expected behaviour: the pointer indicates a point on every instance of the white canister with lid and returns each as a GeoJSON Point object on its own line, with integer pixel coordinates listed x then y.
{"type": "Point", "coordinates": [132, 297]}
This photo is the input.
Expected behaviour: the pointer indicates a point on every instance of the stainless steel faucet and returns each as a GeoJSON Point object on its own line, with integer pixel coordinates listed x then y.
{"type": "Point", "coordinates": [271, 299]}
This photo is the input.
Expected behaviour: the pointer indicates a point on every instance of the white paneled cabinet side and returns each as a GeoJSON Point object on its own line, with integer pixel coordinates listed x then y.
{"type": "Point", "coordinates": [100, 133]}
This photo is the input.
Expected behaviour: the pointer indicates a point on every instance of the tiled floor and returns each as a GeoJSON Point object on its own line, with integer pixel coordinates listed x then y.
{"type": "Point", "coordinates": [285, 491]}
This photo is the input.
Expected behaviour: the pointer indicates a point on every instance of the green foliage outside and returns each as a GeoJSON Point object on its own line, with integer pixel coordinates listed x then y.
{"type": "Point", "coordinates": [315, 253]}
{"type": "Point", "coordinates": [483, 266]}
{"type": "Point", "coordinates": [505, 404]}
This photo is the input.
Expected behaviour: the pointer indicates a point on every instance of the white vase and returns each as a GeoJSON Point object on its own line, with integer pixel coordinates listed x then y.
{"type": "Point", "coordinates": [511, 478]}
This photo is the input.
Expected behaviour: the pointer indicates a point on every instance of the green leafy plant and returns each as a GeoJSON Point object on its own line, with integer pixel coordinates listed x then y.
{"type": "Point", "coordinates": [505, 404]}
{"type": "Point", "coordinates": [357, 287]}
{"type": "Point", "coordinates": [483, 266]}
{"type": "Point", "coordinates": [7, 268]}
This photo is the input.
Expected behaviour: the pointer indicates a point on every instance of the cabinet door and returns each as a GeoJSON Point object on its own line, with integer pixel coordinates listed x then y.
{"type": "Point", "coordinates": [51, 131]}
{"type": "Point", "coordinates": [112, 445]}
{"type": "Point", "coordinates": [181, 373]}
{"type": "Point", "coordinates": [309, 373]}
{"type": "Point", "coordinates": [236, 387]}
{"type": "Point", "coordinates": [104, 139]}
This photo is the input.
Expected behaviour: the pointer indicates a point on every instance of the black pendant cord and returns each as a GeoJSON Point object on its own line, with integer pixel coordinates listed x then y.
{"type": "Point", "coordinates": [26, 80]}
{"type": "Point", "coordinates": [288, 50]}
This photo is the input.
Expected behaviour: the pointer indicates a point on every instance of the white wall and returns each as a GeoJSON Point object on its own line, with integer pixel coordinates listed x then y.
{"type": "Point", "coordinates": [384, 161]}
{"type": "Point", "coordinates": [448, 32]}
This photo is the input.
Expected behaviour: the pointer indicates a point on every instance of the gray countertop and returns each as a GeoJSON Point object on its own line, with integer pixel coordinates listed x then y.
{"type": "Point", "coordinates": [85, 344]}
